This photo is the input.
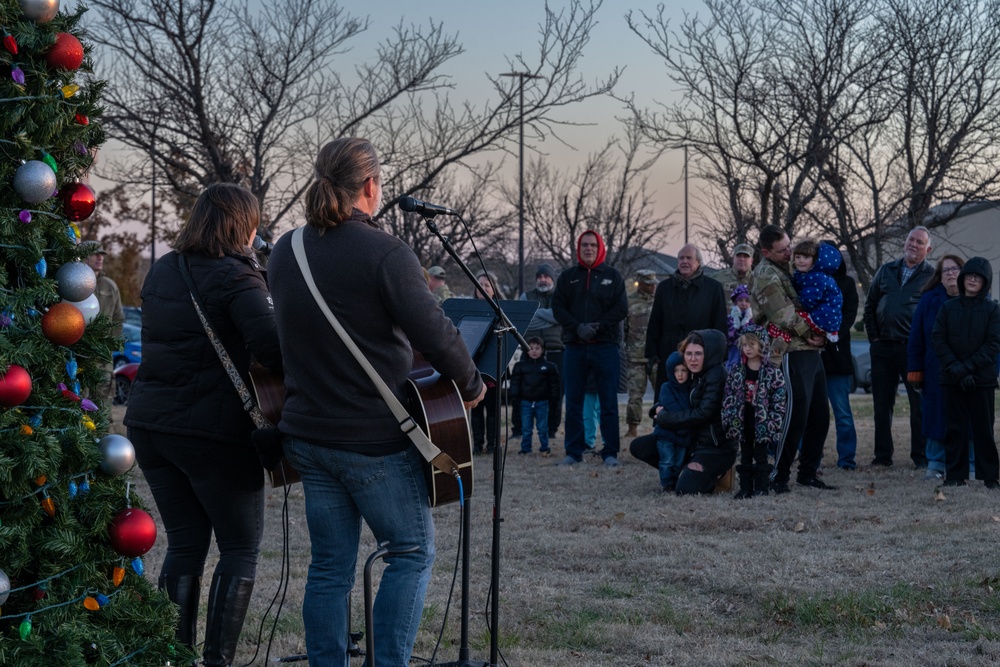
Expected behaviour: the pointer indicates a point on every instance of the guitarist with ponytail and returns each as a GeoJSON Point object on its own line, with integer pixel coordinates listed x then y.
{"type": "Point", "coordinates": [341, 436]}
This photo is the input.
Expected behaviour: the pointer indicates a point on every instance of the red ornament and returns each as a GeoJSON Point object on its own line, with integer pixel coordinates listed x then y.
{"type": "Point", "coordinates": [81, 119]}
{"type": "Point", "coordinates": [63, 324]}
{"type": "Point", "coordinates": [15, 387]}
{"type": "Point", "coordinates": [132, 532]}
{"type": "Point", "coordinates": [10, 43]}
{"type": "Point", "coordinates": [66, 53]}
{"type": "Point", "coordinates": [79, 201]}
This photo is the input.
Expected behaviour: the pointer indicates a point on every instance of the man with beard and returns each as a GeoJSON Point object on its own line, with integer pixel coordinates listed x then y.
{"type": "Point", "coordinates": [686, 301]}
{"type": "Point", "coordinates": [544, 325]}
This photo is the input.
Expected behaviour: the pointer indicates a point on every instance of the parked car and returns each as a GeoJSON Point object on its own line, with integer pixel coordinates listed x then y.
{"type": "Point", "coordinates": [124, 377]}
{"type": "Point", "coordinates": [861, 355]}
{"type": "Point", "coordinates": [133, 315]}
{"type": "Point", "coordinates": [132, 351]}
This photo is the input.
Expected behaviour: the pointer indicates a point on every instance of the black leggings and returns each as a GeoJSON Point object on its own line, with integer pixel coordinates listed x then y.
{"type": "Point", "coordinates": [713, 463]}
{"type": "Point", "coordinates": [200, 485]}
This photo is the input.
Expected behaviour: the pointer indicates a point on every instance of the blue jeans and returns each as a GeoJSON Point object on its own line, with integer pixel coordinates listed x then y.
{"type": "Point", "coordinates": [537, 412]}
{"type": "Point", "coordinates": [603, 360]}
{"type": "Point", "coordinates": [671, 460]}
{"type": "Point", "coordinates": [389, 492]}
{"type": "Point", "coordinates": [838, 390]}
{"type": "Point", "coordinates": [935, 456]}
{"type": "Point", "coordinates": [591, 418]}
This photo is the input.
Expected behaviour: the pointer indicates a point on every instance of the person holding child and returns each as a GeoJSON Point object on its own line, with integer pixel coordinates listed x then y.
{"type": "Point", "coordinates": [740, 315]}
{"type": "Point", "coordinates": [713, 454]}
{"type": "Point", "coordinates": [753, 410]}
{"type": "Point", "coordinates": [673, 443]}
{"type": "Point", "coordinates": [822, 301]}
{"type": "Point", "coordinates": [966, 339]}
{"type": "Point", "coordinates": [533, 383]}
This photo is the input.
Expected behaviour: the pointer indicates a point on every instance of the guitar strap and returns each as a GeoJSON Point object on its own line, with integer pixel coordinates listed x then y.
{"type": "Point", "coordinates": [259, 420]}
{"type": "Point", "coordinates": [427, 449]}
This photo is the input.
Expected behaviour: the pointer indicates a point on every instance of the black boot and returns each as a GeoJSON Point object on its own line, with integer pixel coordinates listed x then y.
{"type": "Point", "coordinates": [184, 590]}
{"type": "Point", "coordinates": [746, 482]}
{"type": "Point", "coordinates": [228, 600]}
{"type": "Point", "coordinates": [762, 478]}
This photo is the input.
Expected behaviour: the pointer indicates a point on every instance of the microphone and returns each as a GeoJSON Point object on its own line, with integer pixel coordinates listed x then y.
{"type": "Point", "coordinates": [411, 205]}
{"type": "Point", "coordinates": [262, 246]}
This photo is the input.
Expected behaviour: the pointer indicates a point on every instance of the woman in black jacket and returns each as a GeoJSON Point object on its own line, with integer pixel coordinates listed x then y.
{"type": "Point", "coordinates": [187, 423]}
{"type": "Point", "coordinates": [966, 339]}
{"type": "Point", "coordinates": [705, 355]}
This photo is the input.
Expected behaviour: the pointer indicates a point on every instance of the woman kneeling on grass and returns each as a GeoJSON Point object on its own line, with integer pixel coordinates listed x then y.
{"type": "Point", "coordinates": [713, 455]}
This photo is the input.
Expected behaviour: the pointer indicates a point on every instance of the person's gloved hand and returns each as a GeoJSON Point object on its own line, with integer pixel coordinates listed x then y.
{"type": "Point", "coordinates": [916, 379]}
{"type": "Point", "coordinates": [587, 331]}
{"type": "Point", "coordinates": [968, 383]}
{"type": "Point", "coordinates": [651, 364]}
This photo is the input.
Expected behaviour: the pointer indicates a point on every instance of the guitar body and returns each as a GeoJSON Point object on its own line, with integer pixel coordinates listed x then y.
{"type": "Point", "coordinates": [269, 390]}
{"type": "Point", "coordinates": [437, 407]}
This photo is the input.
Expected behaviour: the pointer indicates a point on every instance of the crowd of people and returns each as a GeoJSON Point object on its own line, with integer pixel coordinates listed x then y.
{"type": "Point", "coordinates": [745, 366]}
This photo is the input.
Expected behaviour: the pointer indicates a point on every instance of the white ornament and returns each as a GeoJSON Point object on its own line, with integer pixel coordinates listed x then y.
{"type": "Point", "coordinates": [117, 454]}
{"type": "Point", "coordinates": [90, 307]}
{"type": "Point", "coordinates": [41, 11]}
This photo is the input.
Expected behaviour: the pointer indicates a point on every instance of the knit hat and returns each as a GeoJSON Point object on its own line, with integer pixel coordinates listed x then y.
{"type": "Point", "coordinates": [545, 270]}
{"type": "Point", "coordinates": [740, 291]}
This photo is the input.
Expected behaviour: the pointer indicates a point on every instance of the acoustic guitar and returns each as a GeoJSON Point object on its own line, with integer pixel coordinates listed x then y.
{"type": "Point", "coordinates": [437, 407]}
{"type": "Point", "coordinates": [269, 390]}
{"type": "Point", "coordinates": [433, 402]}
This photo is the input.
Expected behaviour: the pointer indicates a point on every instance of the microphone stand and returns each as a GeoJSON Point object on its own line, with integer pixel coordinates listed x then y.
{"type": "Point", "coordinates": [504, 326]}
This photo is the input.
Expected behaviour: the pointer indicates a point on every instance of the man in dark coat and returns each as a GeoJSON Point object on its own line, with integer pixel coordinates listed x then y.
{"type": "Point", "coordinates": [685, 301]}
{"type": "Point", "coordinates": [839, 366]}
{"type": "Point", "coordinates": [892, 300]}
{"type": "Point", "coordinates": [590, 305]}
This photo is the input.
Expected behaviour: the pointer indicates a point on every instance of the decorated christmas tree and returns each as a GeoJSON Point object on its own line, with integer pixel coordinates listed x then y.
{"type": "Point", "coordinates": [72, 532]}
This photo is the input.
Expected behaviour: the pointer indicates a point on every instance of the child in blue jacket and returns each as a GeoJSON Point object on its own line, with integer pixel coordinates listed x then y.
{"type": "Point", "coordinates": [673, 443]}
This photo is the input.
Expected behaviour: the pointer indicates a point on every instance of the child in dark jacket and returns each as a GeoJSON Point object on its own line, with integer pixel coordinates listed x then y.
{"type": "Point", "coordinates": [966, 338]}
{"type": "Point", "coordinates": [753, 410]}
{"type": "Point", "coordinates": [534, 382]}
{"type": "Point", "coordinates": [673, 443]}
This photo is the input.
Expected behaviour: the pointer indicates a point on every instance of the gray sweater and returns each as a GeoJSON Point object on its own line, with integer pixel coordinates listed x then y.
{"type": "Point", "coordinates": [374, 285]}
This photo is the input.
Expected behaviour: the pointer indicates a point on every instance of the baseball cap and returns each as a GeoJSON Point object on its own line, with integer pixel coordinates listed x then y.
{"type": "Point", "coordinates": [94, 247]}
{"type": "Point", "coordinates": [743, 249]}
{"type": "Point", "coordinates": [647, 276]}
{"type": "Point", "coordinates": [436, 271]}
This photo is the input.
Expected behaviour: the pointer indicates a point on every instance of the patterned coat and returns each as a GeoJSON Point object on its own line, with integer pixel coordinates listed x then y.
{"type": "Point", "coordinates": [770, 401]}
{"type": "Point", "coordinates": [640, 304]}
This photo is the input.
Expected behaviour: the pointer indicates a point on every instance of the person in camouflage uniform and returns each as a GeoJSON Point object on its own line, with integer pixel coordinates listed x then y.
{"type": "Point", "coordinates": [795, 349]}
{"type": "Point", "coordinates": [640, 303]}
{"type": "Point", "coordinates": [741, 272]}
{"type": "Point", "coordinates": [437, 284]}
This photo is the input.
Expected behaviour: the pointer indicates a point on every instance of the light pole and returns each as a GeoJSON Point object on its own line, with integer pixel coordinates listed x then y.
{"type": "Point", "coordinates": [685, 195]}
{"type": "Point", "coordinates": [521, 76]}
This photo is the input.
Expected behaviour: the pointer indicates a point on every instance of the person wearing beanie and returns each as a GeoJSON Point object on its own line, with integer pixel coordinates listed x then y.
{"type": "Point", "coordinates": [545, 326]}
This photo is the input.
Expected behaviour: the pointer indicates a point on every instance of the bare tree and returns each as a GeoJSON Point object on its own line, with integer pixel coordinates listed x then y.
{"type": "Point", "coordinates": [609, 193]}
{"type": "Point", "coordinates": [208, 90]}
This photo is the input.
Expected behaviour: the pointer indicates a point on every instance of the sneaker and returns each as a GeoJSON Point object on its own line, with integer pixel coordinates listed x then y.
{"type": "Point", "coordinates": [992, 484]}
{"type": "Point", "coordinates": [848, 468]}
{"type": "Point", "coordinates": [880, 462]}
{"type": "Point", "coordinates": [611, 462]}
{"type": "Point", "coordinates": [777, 488]}
{"type": "Point", "coordinates": [568, 461]}
{"type": "Point", "coordinates": [524, 452]}
{"type": "Point", "coordinates": [545, 452]}
{"type": "Point", "coordinates": [933, 474]}
{"type": "Point", "coordinates": [954, 482]}
{"type": "Point", "coordinates": [667, 489]}
{"type": "Point", "coordinates": [815, 483]}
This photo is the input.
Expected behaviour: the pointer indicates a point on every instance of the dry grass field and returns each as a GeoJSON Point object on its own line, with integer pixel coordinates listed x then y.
{"type": "Point", "coordinates": [599, 568]}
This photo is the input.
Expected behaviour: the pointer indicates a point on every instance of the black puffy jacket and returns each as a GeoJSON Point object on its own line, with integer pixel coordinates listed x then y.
{"type": "Point", "coordinates": [181, 386]}
{"type": "Point", "coordinates": [705, 415]}
{"type": "Point", "coordinates": [534, 380]}
{"type": "Point", "coordinates": [966, 334]}
{"type": "Point", "coordinates": [837, 359]}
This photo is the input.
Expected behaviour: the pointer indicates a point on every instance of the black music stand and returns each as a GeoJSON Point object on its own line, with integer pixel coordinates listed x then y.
{"type": "Point", "coordinates": [476, 321]}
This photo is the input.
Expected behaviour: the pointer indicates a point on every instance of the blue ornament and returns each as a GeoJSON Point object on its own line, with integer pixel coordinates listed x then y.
{"type": "Point", "coordinates": [32, 312]}
{"type": "Point", "coordinates": [76, 387]}
{"type": "Point", "coordinates": [72, 367]}
{"type": "Point", "coordinates": [71, 233]}
{"type": "Point", "coordinates": [102, 599]}
{"type": "Point", "coordinates": [42, 267]}
{"type": "Point", "coordinates": [73, 489]}
{"type": "Point", "coordinates": [85, 486]}
{"type": "Point", "coordinates": [138, 566]}
{"type": "Point", "coordinates": [35, 420]}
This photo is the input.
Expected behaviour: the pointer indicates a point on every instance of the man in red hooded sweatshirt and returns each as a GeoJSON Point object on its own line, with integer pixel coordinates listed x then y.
{"type": "Point", "coordinates": [590, 305]}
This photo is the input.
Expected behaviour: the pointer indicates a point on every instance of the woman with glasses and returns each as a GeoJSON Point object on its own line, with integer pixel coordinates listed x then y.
{"type": "Point", "coordinates": [924, 370]}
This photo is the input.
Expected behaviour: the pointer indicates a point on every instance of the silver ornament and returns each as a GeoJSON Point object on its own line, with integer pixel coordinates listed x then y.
{"type": "Point", "coordinates": [41, 11]}
{"type": "Point", "coordinates": [34, 181]}
{"type": "Point", "coordinates": [117, 454]}
{"type": "Point", "coordinates": [77, 281]}
{"type": "Point", "coordinates": [4, 586]}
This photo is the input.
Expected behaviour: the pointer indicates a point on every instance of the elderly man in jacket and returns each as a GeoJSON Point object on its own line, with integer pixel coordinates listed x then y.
{"type": "Point", "coordinates": [889, 307]}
